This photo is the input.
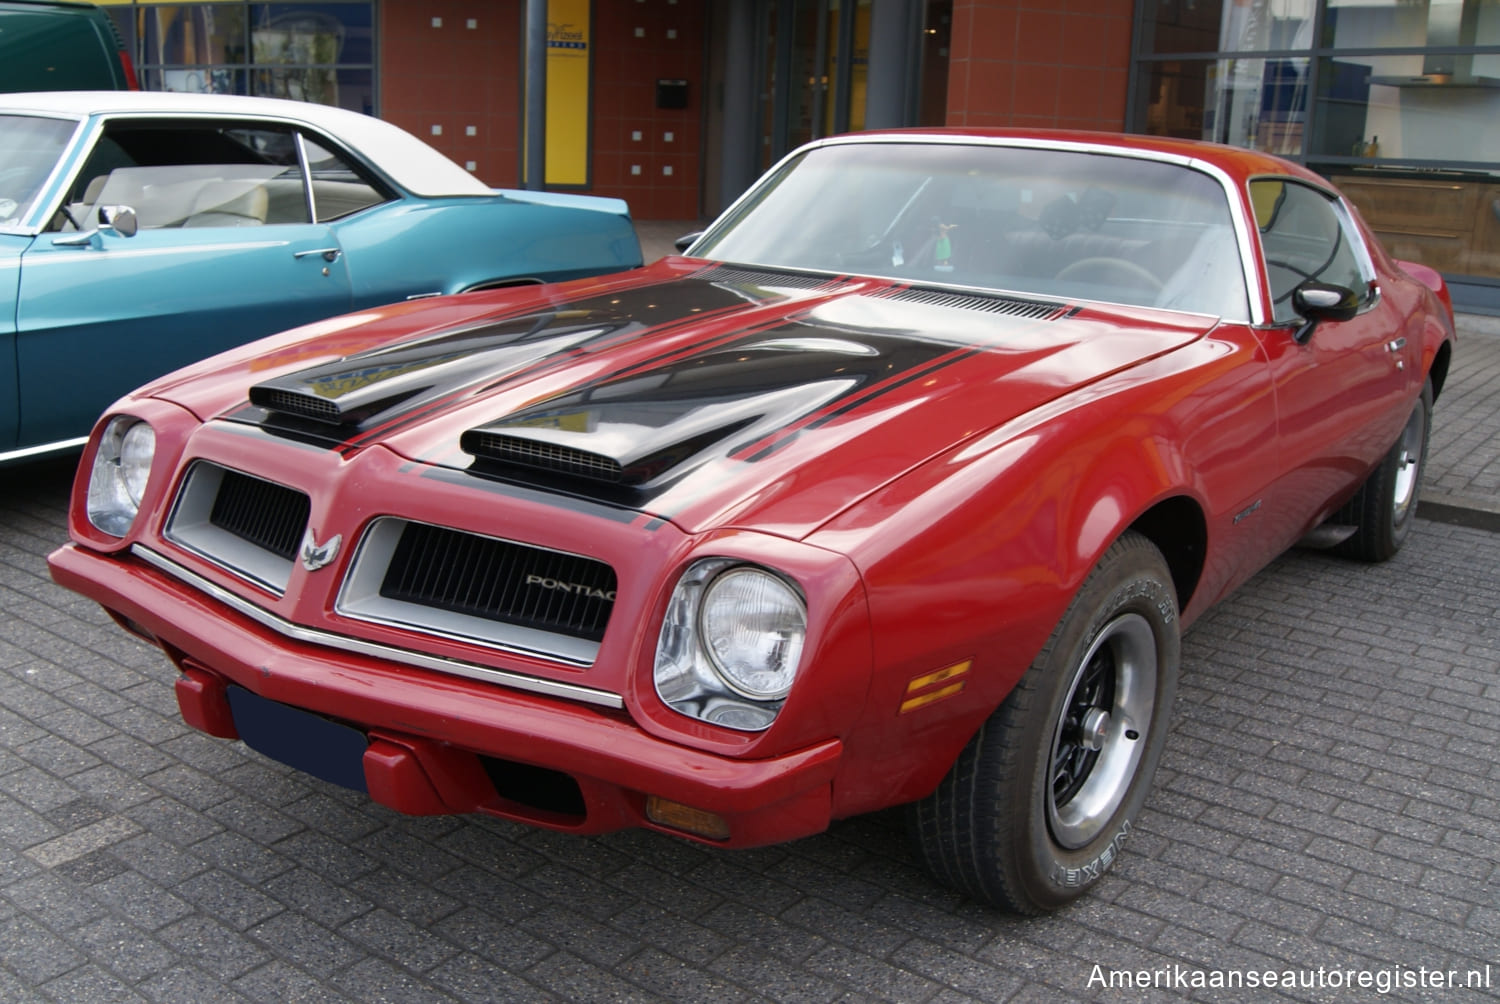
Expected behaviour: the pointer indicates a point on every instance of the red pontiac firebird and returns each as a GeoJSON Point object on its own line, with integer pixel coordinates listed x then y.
{"type": "Point", "coordinates": [899, 486]}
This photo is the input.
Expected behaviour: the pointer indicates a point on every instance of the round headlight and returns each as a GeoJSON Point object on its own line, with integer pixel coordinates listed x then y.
{"type": "Point", "coordinates": [122, 467]}
{"type": "Point", "coordinates": [137, 450]}
{"type": "Point", "coordinates": [753, 625]}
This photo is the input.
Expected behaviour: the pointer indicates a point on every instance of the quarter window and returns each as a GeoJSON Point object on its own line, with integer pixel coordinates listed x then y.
{"type": "Point", "coordinates": [1306, 235]}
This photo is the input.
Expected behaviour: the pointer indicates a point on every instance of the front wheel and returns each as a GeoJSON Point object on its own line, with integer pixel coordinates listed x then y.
{"type": "Point", "coordinates": [1385, 505]}
{"type": "Point", "coordinates": [1039, 803]}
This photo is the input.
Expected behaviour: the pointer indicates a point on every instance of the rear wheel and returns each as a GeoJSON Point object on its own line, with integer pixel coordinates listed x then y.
{"type": "Point", "coordinates": [1385, 505]}
{"type": "Point", "coordinates": [1038, 805]}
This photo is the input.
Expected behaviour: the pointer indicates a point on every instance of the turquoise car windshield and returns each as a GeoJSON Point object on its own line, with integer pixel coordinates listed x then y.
{"type": "Point", "coordinates": [1036, 221]}
{"type": "Point", "coordinates": [28, 154]}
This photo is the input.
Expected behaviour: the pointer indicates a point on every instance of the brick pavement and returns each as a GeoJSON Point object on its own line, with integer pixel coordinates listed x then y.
{"type": "Point", "coordinates": [1330, 797]}
{"type": "Point", "coordinates": [1463, 479]}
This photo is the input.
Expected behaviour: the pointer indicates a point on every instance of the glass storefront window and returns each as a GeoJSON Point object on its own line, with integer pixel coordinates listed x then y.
{"type": "Point", "coordinates": [1381, 108]}
{"type": "Point", "coordinates": [1256, 103]}
{"type": "Point", "coordinates": [192, 35]}
{"type": "Point", "coordinates": [1383, 24]}
{"type": "Point", "coordinates": [1393, 100]}
{"type": "Point", "coordinates": [319, 52]}
{"type": "Point", "coordinates": [1183, 26]}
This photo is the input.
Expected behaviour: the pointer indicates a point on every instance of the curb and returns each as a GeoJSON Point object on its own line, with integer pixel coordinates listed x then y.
{"type": "Point", "coordinates": [1460, 510]}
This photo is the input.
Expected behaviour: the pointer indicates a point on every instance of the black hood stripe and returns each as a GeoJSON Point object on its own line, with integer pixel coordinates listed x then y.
{"type": "Point", "coordinates": [752, 452]}
{"type": "Point", "coordinates": [561, 360]}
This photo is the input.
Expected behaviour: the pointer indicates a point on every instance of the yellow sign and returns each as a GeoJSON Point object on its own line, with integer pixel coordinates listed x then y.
{"type": "Point", "coordinates": [567, 92]}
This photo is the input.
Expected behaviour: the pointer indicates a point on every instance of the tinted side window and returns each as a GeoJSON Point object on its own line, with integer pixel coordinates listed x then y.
{"type": "Point", "coordinates": [1304, 236]}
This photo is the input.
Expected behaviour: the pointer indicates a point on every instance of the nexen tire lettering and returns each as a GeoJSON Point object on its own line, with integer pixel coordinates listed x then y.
{"type": "Point", "coordinates": [576, 588]}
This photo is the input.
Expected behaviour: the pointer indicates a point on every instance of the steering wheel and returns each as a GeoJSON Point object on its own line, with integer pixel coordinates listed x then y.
{"type": "Point", "coordinates": [1103, 265]}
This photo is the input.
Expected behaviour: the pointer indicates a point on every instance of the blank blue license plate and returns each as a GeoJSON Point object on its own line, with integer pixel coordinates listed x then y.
{"type": "Point", "coordinates": [300, 739]}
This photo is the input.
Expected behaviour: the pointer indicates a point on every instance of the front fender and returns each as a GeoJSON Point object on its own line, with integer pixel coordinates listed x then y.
{"type": "Point", "coordinates": [974, 557]}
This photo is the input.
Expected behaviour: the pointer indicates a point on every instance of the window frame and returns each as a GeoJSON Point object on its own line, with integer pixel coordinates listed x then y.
{"type": "Point", "coordinates": [1281, 312]}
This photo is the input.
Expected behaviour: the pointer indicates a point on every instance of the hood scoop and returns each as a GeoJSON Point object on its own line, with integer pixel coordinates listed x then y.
{"type": "Point", "coordinates": [511, 449]}
{"type": "Point", "coordinates": [647, 455]}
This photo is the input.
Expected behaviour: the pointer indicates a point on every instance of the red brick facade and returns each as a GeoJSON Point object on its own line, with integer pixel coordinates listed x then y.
{"type": "Point", "coordinates": [1032, 64]}
{"type": "Point", "coordinates": [1037, 63]}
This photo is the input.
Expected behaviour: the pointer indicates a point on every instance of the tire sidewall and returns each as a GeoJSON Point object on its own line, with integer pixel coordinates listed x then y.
{"type": "Point", "coordinates": [1132, 580]}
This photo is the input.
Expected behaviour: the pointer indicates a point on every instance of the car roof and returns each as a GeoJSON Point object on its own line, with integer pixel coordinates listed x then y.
{"type": "Point", "coordinates": [1235, 162]}
{"type": "Point", "coordinates": [407, 160]}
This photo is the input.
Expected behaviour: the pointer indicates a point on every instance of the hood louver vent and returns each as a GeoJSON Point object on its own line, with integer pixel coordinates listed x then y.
{"type": "Point", "coordinates": [761, 277]}
{"type": "Point", "coordinates": [538, 455]}
{"type": "Point", "coordinates": [1038, 309]}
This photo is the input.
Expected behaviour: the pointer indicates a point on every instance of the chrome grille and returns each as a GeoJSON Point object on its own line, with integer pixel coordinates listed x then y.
{"type": "Point", "coordinates": [543, 456]}
{"type": "Point", "coordinates": [500, 580]}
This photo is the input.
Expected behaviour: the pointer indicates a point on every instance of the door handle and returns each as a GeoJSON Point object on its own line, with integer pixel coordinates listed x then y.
{"type": "Point", "coordinates": [1396, 345]}
{"type": "Point", "coordinates": [329, 254]}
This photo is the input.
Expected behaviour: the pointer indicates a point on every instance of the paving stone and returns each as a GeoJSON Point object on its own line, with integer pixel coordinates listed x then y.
{"type": "Point", "coordinates": [1326, 798]}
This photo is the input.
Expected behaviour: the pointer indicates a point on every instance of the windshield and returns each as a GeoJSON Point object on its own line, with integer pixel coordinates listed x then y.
{"type": "Point", "coordinates": [28, 152]}
{"type": "Point", "coordinates": [1035, 221]}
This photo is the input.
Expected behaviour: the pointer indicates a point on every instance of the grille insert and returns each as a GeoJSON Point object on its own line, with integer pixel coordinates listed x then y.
{"type": "Point", "coordinates": [246, 525]}
{"type": "Point", "coordinates": [267, 515]}
{"type": "Point", "coordinates": [499, 580]}
{"type": "Point", "coordinates": [542, 456]}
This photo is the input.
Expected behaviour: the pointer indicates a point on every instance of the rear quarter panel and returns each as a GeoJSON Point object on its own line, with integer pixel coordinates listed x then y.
{"type": "Point", "coordinates": [431, 246]}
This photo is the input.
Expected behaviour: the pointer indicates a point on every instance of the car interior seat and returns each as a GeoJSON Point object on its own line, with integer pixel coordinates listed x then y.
{"type": "Point", "coordinates": [228, 204]}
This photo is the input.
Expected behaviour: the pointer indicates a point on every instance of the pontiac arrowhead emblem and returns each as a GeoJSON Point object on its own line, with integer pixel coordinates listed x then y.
{"type": "Point", "coordinates": [314, 555]}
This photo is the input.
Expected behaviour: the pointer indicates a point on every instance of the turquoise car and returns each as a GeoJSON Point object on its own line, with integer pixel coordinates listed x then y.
{"type": "Point", "coordinates": [140, 231]}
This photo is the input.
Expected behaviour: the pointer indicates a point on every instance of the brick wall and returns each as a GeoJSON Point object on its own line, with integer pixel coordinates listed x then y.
{"type": "Point", "coordinates": [440, 81]}
{"type": "Point", "coordinates": [1038, 63]}
{"type": "Point", "coordinates": [455, 77]}
{"type": "Point", "coordinates": [646, 155]}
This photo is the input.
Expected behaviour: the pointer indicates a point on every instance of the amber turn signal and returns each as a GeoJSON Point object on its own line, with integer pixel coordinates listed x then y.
{"type": "Point", "coordinates": [698, 822]}
{"type": "Point", "coordinates": [919, 692]}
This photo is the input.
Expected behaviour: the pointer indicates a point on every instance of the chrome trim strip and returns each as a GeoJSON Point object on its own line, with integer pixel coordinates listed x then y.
{"type": "Point", "coordinates": [37, 451]}
{"type": "Point", "coordinates": [312, 636]}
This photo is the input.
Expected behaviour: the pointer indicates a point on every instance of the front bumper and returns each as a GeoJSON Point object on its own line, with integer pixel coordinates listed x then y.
{"type": "Point", "coordinates": [439, 743]}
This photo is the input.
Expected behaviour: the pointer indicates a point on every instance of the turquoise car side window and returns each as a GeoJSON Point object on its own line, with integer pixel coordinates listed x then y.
{"type": "Point", "coordinates": [339, 189]}
{"type": "Point", "coordinates": [190, 173]}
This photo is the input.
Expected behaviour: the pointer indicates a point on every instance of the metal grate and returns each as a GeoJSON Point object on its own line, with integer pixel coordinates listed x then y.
{"type": "Point", "coordinates": [500, 580]}
{"type": "Point", "coordinates": [293, 403]}
{"type": "Point", "coordinates": [1040, 309]}
{"type": "Point", "coordinates": [268, 515]}
{"type": "Point", "coordinates": [543, 456]}
{"type": "Point", "coordinates": [761, 277]}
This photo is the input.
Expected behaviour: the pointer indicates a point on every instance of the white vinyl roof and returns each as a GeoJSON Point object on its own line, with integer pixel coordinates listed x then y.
{"type": "Point", "coordinates": [406, 160]}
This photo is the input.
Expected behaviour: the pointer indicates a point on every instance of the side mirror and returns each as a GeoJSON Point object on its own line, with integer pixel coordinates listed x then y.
{"type": "Point", "coordinates": [1322, 301]}
{"type": "Point", "coordinates": [120, 219]}
{"type": "Point", "coordinates": [687, 240]}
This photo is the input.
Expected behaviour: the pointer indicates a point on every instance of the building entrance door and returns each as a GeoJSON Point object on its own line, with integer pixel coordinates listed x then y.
{"type": "Point", "coordinates": [813, 70]}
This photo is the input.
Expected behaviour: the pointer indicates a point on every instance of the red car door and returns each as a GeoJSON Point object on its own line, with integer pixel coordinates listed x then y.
{"type": "Point", "coordinates": [1339, 385]}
